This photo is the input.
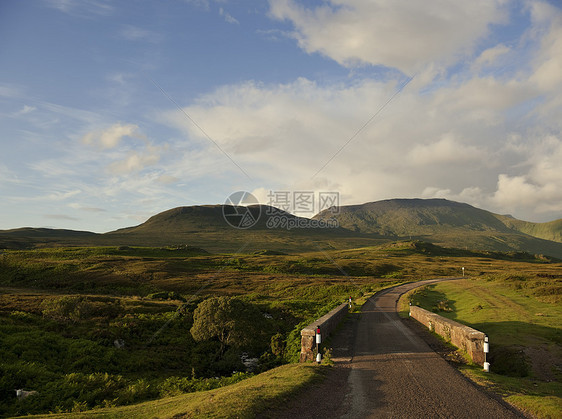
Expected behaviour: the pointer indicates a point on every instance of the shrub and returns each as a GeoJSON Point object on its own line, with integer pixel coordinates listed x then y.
{"type": "Point", "coordinates": [277, 344]}
{"type": "Point", "coordinates": [23, 316]}
{"type": "Point", "coordinates": [232, 321]}
{"type": "Point", "coordinates": [173, 386]}
{"type": "Point", "coordinates": [510, 361]}
{"type": "Point", "coordinates": [67, 308]}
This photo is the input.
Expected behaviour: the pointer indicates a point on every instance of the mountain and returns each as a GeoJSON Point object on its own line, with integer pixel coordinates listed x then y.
{"type": "Point", "coordinates": [402, 217]}
{"type": "Point", "coordinates": [439, 221]}
{"type": "Point", "coordinates": [21, 238]}
{"type": "Point", "coordinates": [210, 218]}
{"type": "Point", "coordinates": [548, 231]}
{"type": "Point", "coordinates": [216, 228]}
{"type": "Point", "coordinates": [448, 223]}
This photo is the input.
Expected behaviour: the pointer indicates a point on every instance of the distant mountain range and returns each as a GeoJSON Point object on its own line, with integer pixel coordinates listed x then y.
{"type": "Point", "coordinates": [439, 221]}
{"type": "Point", "coordinates": [429, 216]}
{"type": "Point", "coordinates": [449, 223]}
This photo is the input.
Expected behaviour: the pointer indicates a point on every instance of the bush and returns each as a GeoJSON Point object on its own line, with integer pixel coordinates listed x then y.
{"type": "Point", "coordinates": [232, 321]}
{"type": "Point", "coordinates": [510, 361]}
{"type": "Point", "coordinates": [67, 308]}
{"type": "Point", "coordinates": [179, 385]}
{"type": "Point", "coordinates": [23, 316]}
{"type": "Point", "coordinates": [277, 344]}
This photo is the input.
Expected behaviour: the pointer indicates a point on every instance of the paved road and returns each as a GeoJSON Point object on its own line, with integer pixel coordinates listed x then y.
{"type": "Point", "coordinates": [394, 373]}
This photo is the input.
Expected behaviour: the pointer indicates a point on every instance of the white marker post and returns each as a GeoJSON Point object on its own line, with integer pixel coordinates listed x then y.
{"type": "Point", "coordinates": [350, 303]}
{"type": "Point", "coordinates": [318, 341]}
{"type": "Point", "coordinates": [486, 351]}
{"type": "Point", "coordinates": [463, 271]}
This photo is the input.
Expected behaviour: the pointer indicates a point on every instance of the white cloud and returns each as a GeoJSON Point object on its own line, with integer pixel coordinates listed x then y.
{"type": "Point", "coordinates": [111, 137]}
{"type": "Point", "coordinates": [485, 96]}
{"type": "Point", "coordinates": [490, 56]}
{"type": "Point", "coordinates": [520, 193]}
{"type": "Point", "coordinates": [228, 17]}
{"type": "Point", "coordinates": [136, 161]}
{"type": "Point", "coordinates": [81, 8]}
{"type": "Point", "coordinates": [8, 176]}
{"type": "Point", "coordinates": [80, 207]}
{"type": "Point", "coordinates": [395, 33]}
{"type": "Point", "coordinates": [61, 196]}
{"type": "Point", "coordinates": [548, 71]}
{"type": "Point", "coordinates": [455, 141]}
{"type": "Point", "coordinates": [433, 192]}
{"type": "Point", "coordinates": [533, 191]}
{"type": "Point", "coordinates": [119, 78]}
{"type": "Point", "coordinates": [128, 158]}
{"type": "Point", "coordinates": [202, 4]}
{"type": "Point", "coordinates": [25, 110]}
{"type": "Point", "coordinates": [61, 217]}
{"type": "Point", "coordinates": [447, 150]}
{"type": "Point", "coordinates": [167, 179]}
{"type": "Point", "coordinates": [134, 33]}
{"type": "Point", "coordinates": [9, 91]}
{"type": "Point", "coordinates": [80, 115]}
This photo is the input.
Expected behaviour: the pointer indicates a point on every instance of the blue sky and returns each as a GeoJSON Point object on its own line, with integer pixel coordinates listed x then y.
{"type": "Point", "coordinates": [113, 111]}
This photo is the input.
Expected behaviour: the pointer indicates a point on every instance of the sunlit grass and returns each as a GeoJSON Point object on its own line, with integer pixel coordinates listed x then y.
{"type": "Point", "coordinates": [242, 400]}
{"type": "Point", "coordinates": [524, 329]}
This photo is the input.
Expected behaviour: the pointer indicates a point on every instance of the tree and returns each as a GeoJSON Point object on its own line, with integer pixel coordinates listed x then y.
{"type": "Point", "coordinates": [232, 321]}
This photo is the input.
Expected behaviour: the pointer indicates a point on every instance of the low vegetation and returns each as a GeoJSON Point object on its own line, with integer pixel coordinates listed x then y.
{"type": "Point", "coordinates": [246, 399]}
{"type": "Point", "coordinates": [103, 327]}
{"type": "Point", "coordinates": [520, 312]}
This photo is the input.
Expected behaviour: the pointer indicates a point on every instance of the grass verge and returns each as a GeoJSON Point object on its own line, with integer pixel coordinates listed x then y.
{"type": "Point", "coordinates": [524, 330]}
{"type": "Point", "coordinates": [539, 399]}
{"type": "Point", "coordinates": [242, 400]}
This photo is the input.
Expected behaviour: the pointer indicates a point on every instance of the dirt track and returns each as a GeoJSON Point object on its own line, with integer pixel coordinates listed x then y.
{"type": "Point", "coordinates": [385, 370]}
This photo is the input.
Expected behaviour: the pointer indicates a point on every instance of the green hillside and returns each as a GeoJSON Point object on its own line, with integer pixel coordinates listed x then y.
{"type": "Point", "coordinates": [201, 226]}
{"type": "Point", "coordinates": [205, 226]}
{"type": "Point", "coordinates": [547, 231]}
{"type": "Point", "coordinates": [402, 217]}
{"type": "Point", "coordinates": [447, 223]}
{"type": "Point", "coordinates": [439, 221]}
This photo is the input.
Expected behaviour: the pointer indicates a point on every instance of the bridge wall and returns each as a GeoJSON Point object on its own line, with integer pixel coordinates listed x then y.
{"type": "Point", "coordinates": [464, 337]}
{"type": "Point", "coordinates": [328, 324]}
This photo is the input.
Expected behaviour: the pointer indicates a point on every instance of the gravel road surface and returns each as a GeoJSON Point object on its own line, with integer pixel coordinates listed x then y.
{"type": "Point", "coordinates": [386, 370]}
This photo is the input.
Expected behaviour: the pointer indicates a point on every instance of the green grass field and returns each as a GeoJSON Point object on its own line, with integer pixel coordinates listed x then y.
{"type": "Point", "coordinates": [521, 315]}
{"type": "Point", "coordinates": [61, 309]}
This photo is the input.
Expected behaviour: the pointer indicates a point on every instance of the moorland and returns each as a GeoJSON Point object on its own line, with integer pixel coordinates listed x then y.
{"type": "Point", "coordinates": [107, 320]}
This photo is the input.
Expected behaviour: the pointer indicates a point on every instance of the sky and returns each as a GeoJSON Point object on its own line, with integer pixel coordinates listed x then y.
{"type": "Point", "coordinates": [113, 111]}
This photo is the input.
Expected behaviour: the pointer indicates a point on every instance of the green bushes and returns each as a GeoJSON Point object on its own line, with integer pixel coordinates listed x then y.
{"type": "Point", "coordinates": [63, 346]}
{"type": "Point", "coordinates": [293, 346]}
{"type": "Point", "coordinates": [76, 392]}
{"type": "Point", "coordinates": [231, 321]}
{"type": "Point", "coordinates": [509, 360]}
{"type": "Point", "coordinates": [68, 355]}
{"type": "Point", "coordinates": [68, 308]}
{"type": "Point", "coordinates": [165, 295]}
{"type": "Point", "coordinates": [173, 386]}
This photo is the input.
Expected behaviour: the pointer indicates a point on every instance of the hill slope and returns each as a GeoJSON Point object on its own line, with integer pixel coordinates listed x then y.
{"type": "Point", "coordinates": [443, 222]}
{"type": "Point", "coordinates": [402, 217]}
{"type": "Point", "coordinates": [205, 226]}
{"type": "Point", "coordinates": [548, 231]}
{"type": "Point", "coordinates": [21, 238]}
{"type": "Point", "coordinates": [446, 223]}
